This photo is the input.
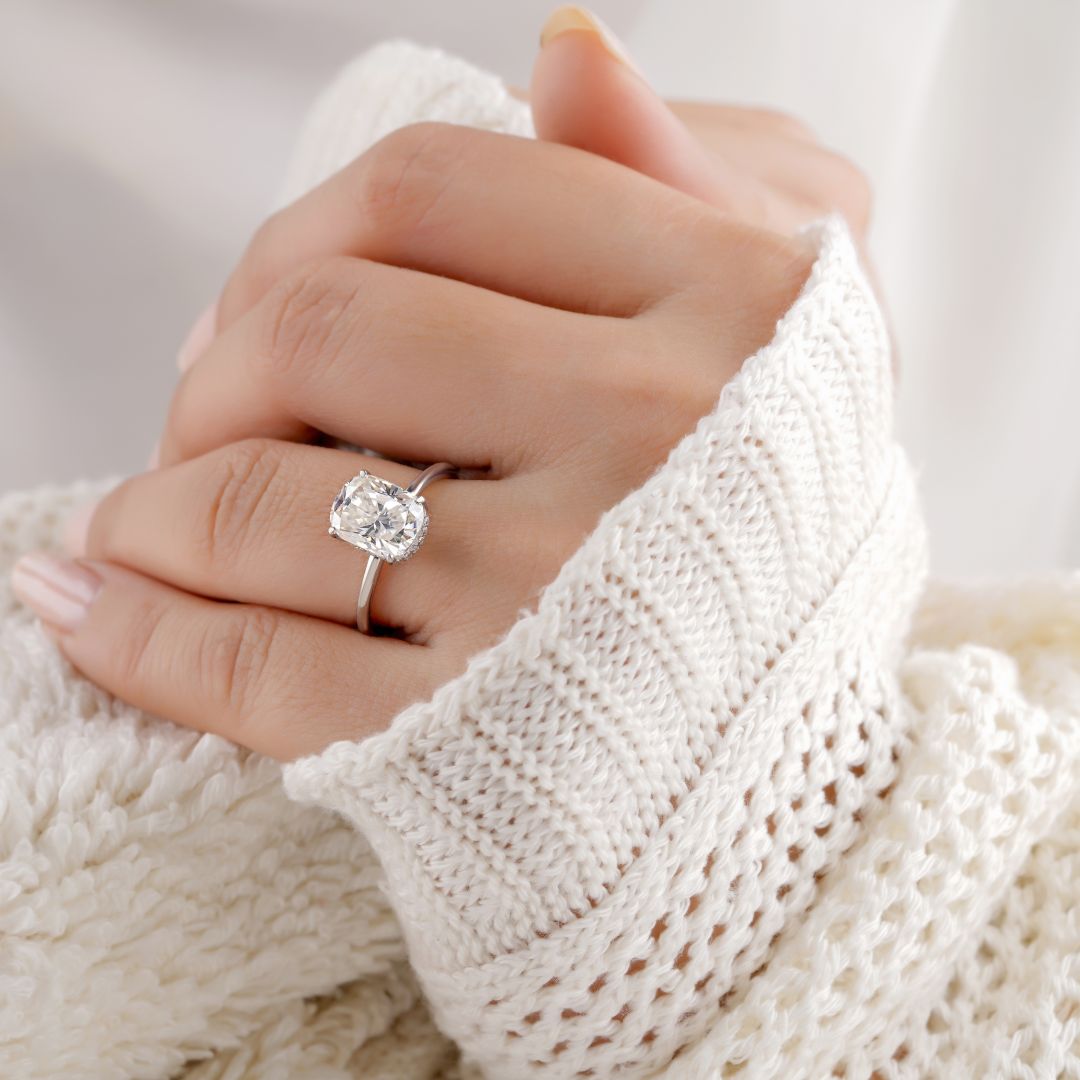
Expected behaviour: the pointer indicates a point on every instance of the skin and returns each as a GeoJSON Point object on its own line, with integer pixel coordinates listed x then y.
{"type": "Point", "coordinates": [553, 315]}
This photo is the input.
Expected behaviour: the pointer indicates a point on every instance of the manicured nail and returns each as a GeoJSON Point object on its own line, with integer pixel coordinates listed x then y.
{"type": "Point", "coordinates": [570, 17]}
{"type": "Point", "coordinates": [59, 591]}
{"type": "Point", "coordinates": [199, 337]}
{"type": "Point", "coordinates": [76, 528]}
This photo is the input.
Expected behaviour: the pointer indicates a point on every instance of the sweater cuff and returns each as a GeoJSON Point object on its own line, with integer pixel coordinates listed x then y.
{"type": "Point", "coordinates": [781, 531]}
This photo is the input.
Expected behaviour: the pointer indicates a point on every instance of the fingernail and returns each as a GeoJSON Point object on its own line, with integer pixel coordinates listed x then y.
{"type": "Point", "coordinates": [155, 457]}
{"type": "Point", "coordinates": [199, 337]}
{"type": "Point", "coordinates": [76, 528]}
{"type": "Point", "coordinates": [570, 17]}
{"type": "Point", "coordinates": [59, 591]}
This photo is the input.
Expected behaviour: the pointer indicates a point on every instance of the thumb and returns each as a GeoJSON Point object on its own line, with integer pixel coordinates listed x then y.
{"type": "Point", "coordinates": [586, 92]}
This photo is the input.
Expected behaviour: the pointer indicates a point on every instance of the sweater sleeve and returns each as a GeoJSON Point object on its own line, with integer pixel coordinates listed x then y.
{"type": "Point", "coordinates": [594, 837]}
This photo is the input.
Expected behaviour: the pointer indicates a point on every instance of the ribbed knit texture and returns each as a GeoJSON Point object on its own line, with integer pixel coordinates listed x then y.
{"type": "Point", "coordinates": [727, 802]}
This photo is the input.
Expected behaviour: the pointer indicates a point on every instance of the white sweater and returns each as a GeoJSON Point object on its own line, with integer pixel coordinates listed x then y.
{"type": "Point", "coordinates": [737, 797]}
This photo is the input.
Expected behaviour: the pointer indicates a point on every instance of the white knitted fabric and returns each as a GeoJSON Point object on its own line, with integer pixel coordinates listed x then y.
{"type": "Point", "coordinates": [724, 803]}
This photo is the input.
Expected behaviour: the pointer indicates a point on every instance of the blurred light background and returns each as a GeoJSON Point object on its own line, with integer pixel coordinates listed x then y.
{"type": "Point", "coordinates": [141, 142]}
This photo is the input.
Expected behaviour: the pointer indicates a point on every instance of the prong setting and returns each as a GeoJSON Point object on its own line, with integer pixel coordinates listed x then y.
{"type": "Point", "coordinates": [387, 521]}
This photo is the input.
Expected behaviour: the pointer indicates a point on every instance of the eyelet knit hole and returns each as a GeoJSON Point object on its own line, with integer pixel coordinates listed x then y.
{"type": "Point", "coordinates": [894, 913]}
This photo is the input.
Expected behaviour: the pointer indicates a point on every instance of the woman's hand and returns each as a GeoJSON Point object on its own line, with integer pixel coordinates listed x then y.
{"type": "Point", "coordinates": [547, 319]}
{"type": "Point", "coordinates": [550, 321]}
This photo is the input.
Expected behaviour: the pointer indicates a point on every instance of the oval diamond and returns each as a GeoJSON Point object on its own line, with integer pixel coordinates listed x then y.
{"type": "Point", "coordinates": [379, 517]}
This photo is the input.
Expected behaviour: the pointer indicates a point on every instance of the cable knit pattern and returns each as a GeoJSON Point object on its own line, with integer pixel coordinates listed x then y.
{"type": "Point", "coordinates": [730, 801]}
{"type": "Point", "coordinates": [632, 794]}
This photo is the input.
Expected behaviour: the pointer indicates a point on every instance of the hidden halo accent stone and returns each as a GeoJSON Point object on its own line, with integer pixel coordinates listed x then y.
{"type": "Point", "coordinates": [379, 517]}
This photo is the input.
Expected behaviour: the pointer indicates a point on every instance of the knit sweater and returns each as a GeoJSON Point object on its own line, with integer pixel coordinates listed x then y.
{"type": "Point", "coordinates": [740, 795]}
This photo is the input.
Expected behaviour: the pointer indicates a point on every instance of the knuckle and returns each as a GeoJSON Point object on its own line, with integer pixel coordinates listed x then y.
{"type": "Point", "coordinates": [302, 319]}
{"type": "Point", "coordinates": [241, 491]}
{"type": "Point", "coordinates": [232, 657]}
{"type": "Point", "coordinates": [402, 177]}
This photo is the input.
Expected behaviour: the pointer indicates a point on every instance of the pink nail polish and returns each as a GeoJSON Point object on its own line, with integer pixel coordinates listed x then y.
{"type": "Point", "coordinates": [198, 339]}
{"type": "Point", "coordinates": [59, 591]}
{"type": "Point", "coordinates": [76, 528]}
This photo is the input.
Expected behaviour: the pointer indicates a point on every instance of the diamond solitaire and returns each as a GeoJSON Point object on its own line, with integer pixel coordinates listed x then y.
{"type": "Point", "coordinates": [386, 521]}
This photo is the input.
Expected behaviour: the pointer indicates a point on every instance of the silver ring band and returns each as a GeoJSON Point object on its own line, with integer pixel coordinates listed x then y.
{"type": "Point", "coordinates": [410, 522]}
{"type": "Point", "coordinates": [440, 471]}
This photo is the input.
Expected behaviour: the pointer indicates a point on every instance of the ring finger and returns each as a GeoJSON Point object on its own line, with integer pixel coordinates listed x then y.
{"type": "Point", "coordinates": [249, 523]}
